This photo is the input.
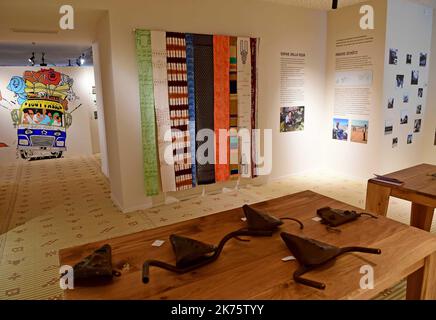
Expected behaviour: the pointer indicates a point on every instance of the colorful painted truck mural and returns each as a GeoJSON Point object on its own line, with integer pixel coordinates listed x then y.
{"type": "Point", "coordinates": [42, 119]}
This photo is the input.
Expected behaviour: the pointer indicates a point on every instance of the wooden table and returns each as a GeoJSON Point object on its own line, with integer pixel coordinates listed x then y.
{"type": "Point", "coordinates": [254, 270]}
{"type": "Point", "coordinates": [420, 188]}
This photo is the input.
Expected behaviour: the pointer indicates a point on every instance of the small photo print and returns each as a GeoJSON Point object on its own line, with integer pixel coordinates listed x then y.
{"type": "Point", "coordinates": [391, 102]}
{"type": "Point", "coordinates": [393, 56]}
{"type": "Point", "coordinates": [389, 127]}
{"type": "Point", "coordinates": [291, 119]}
{"type": "Point", "coordinates": [419, 109]}
{"type": "Point", "coordinates": [420, 92]}
{"type": "Point", "coordinates": [406, 98]}
{"type": "Point", "coordinates": [417, 126]}
{"type": "Point", "coordinates": [340, 129]}
{"type": "Point", "coordinates": [400, 81]}
{"type": "Point", "coordinates": [415, 77]}
{"type": "Point", "coordinates": [423, 59]}
{"type": "Point", "coordinates": [410, 139]}
{"type": "Point", "coordinates": [359, 131]}
{"type": "Point", "coordinates": [404, 117]}
{"type": "Point", "coordinates": [408, 59]}
{"type": "Point", "coordinates": [394, 142]}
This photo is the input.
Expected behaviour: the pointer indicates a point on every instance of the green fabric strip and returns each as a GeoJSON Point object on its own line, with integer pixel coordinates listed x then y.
{"type": "Point", "coordinates": [146, 101]}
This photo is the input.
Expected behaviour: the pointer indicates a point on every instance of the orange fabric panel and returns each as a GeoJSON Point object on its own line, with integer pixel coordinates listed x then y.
{"type": "Point", "coordinates": [221, 62]}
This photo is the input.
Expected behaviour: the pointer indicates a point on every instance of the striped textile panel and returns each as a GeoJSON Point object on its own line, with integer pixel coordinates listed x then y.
{"type": "Point", "coordinates": [160, 83]}
{"type": "Point", "coordinates": [244, 104]}
{"type": "Point", "coordinates": [179, 109]}
{"type": "Point", "coordinates": [253, 46]}
{"type": "Point", "coordinates": [191, 101]}
{"type": "Point", "coordinates": [221, 56]}
{"type": "Point", "coordinates": [233, 77]}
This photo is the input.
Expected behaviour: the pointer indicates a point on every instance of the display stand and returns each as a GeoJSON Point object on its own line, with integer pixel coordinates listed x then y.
{"type": "Point", "coordinates": [169, 199]}
{"type": "Point", "coordinates": [236, 188]}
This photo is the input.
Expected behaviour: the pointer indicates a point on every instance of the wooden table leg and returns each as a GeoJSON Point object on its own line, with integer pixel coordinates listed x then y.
{"type": "Point", "coordinates": [422, 284]}
{"type": "Point", "coordinates": [377, 199]}
{"type": "Point", "coordinates": [421, 216]}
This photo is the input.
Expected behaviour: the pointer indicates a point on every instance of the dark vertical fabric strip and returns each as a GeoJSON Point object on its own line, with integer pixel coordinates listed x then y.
{"type": "Point", "coordinates": [191, 101]}
{"type": "Point", "coordinates": [221, 60]}
{"type": "Point", "coordinates": [146, 103]}
{"type": "Point", "coordinates": [253, 46]}
{"type": "Point", "coordinates": [233, 77]}
{"type": "Point", "coordinates": [204, 102]}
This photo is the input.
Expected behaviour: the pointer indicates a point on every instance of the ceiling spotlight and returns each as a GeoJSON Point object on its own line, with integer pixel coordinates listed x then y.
{"type": "Point", "coordinates": [82, 59]}
{"type": "Point", "coordinates": [43, 64]}
{"type": "Point", "coordinates": [32, 59]}
{"type": "Point", "coordinates": [335, 4]}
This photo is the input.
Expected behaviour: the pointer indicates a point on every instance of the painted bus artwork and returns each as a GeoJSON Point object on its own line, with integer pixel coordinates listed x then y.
{"type": "Point", "coordinates": [42, 118]}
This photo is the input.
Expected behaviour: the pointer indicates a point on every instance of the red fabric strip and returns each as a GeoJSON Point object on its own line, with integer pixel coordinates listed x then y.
{"type": "Point", "coordinates": [221, 62]}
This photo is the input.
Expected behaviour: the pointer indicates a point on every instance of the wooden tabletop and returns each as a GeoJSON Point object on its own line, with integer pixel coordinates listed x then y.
{"type": "Point", "coordinates": [417, 179]}
{"type": "Point", "coordinates": [254, 270]}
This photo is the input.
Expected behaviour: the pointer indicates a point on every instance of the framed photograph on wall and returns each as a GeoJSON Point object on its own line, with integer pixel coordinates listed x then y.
{"type": "Point", "coordinates": [400, 81]}
{"type": "Point", "coordinates": [417, 126]}
{"type": "Point", "coordinates": [393, 56]}
{"type": "Point", "coordinates": [291, 119]}
{"type": "Point", "coordinates": [389, 127]}
{"type": "Point", "coordinates": [422, 59]}
{"type": "Point", "coordinates": [415, 77]}
{"type": "Point", "coordinates": [391, 102]}
{"type": "Point", "coordinates": [404, 117]}
{"type": "Point", "coordinates": [340, 129]}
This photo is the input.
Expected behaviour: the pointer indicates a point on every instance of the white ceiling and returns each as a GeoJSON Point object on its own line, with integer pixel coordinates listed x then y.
{"type": "Point", "coordinates": [327, 4]}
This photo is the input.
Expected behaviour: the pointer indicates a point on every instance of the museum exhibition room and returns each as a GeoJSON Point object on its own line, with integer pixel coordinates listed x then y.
{"type": "Point", "coordinates": [217, 150]}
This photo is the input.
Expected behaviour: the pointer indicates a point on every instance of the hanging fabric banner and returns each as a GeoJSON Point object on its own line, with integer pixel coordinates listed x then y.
{"type": "Point", "coordinates": [204, 106]}
{"type": "Point", "coordinates": [221, 60]}
{"type": "Point", "coordinates": [234, 149]}
{"type": "Point", "coordinates": [244, 104]}
{"type": "Point", "coordinates": [146, 102]}
{"type": "Point", "coordinates": [179, 109]}
{"type": "Point", "coordinates": [253, 47]}
{"type": "Point", "coordinates": [161, 105]}
{"type": "Point", "coordinates": [191, 101]}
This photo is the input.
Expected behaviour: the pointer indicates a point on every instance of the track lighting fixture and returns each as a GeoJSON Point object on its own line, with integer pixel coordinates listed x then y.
{"type": "Point", "coordinates": [43, 64]}
{"type": "Point", "coordinates": [335, 4]}
{"type": "Point", "coordinates": [80, 61]}
{"type": "Point", "coordinates": [32, 59]}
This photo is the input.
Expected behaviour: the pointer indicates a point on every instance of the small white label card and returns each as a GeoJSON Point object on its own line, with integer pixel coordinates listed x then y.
{"type": "Point", "coordinates": [157, 243]}
{"type": "Point", "coordinates": [288, 258]}
{"type": "Point", "coordinates": [317, 219]}
{"type": "Point", "coordinates": [244, 219]}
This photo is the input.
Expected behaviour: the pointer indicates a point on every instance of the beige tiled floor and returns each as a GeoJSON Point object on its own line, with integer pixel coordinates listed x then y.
{"type": "Point", "coordinates": [51, 204]}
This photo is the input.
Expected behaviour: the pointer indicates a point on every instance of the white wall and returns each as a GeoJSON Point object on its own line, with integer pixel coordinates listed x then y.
{"type": "Point", "coordinates": [78, 135]}
{"type": "Point", "coordinates": [346, 157]}
{"type": "Point", "coordinates": [409, 29]}
{"type": "Point", "coordinates": [101, 126]}
{"type": "Point", "coordinates": [430, 122]}
{"type": "Point", "coordinates": [279, 27]}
